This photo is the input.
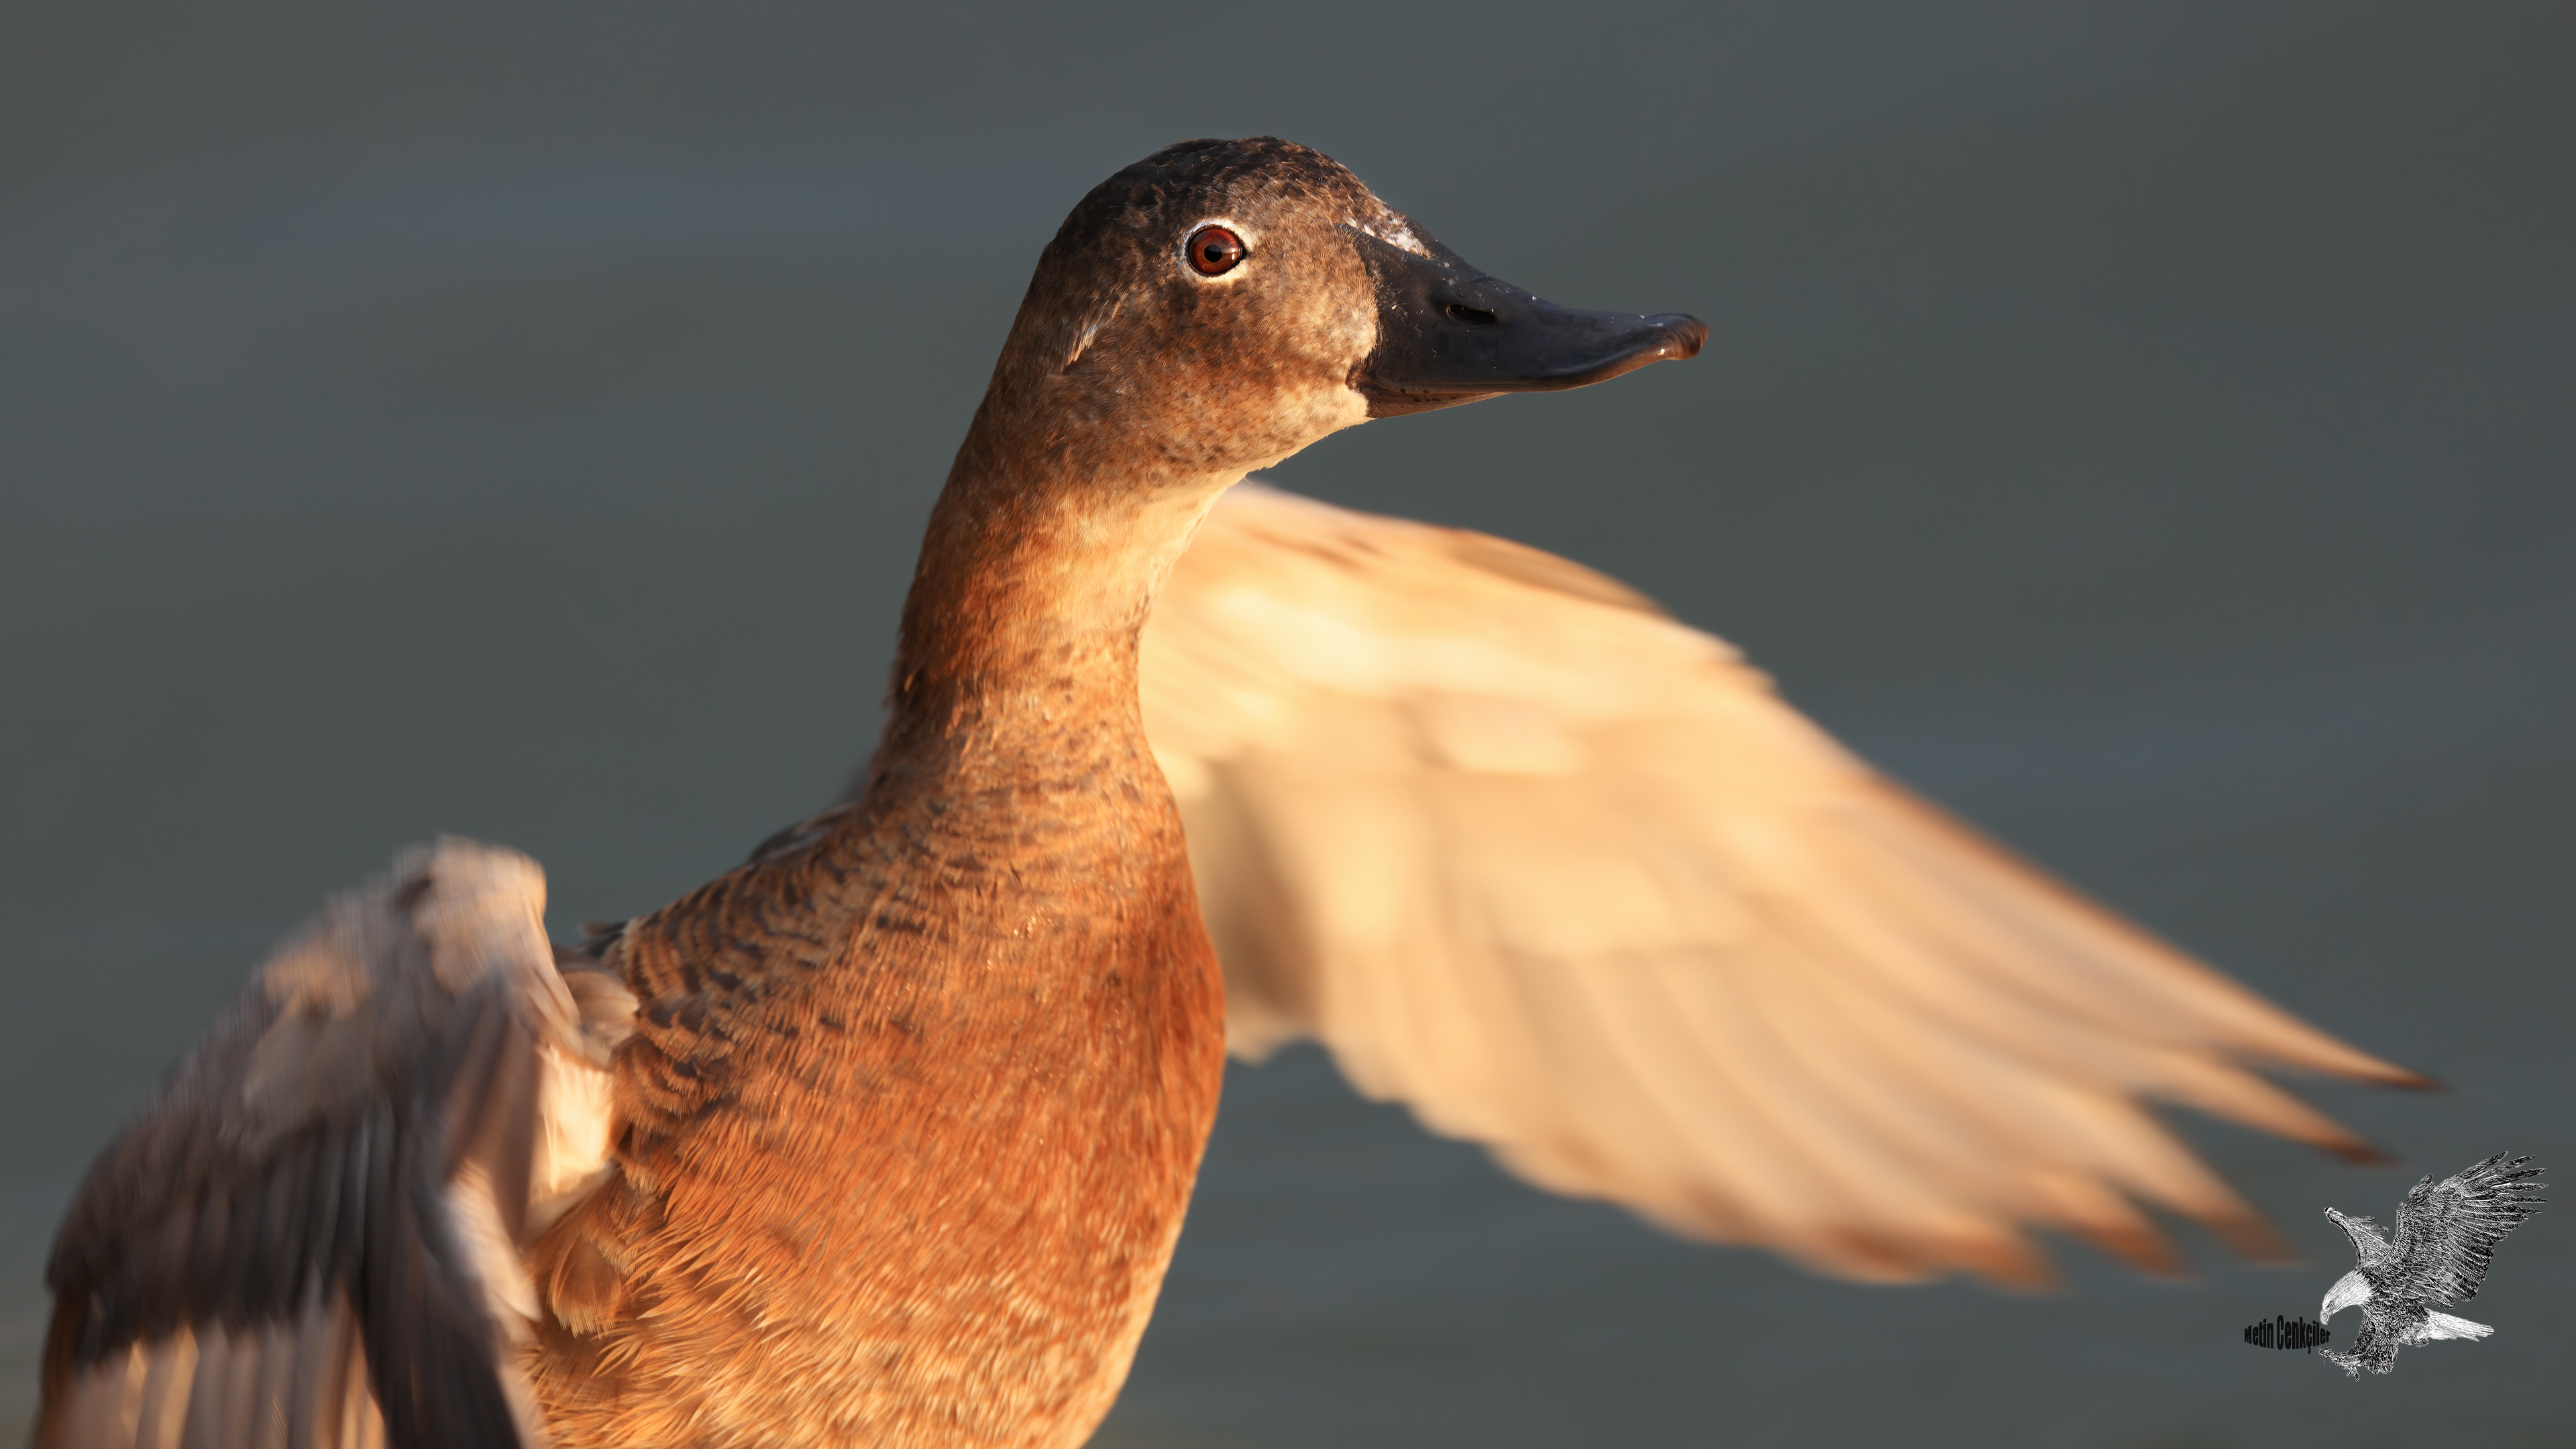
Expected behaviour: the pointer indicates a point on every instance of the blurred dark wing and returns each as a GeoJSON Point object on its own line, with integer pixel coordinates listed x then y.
{"type": "Point", "coordinates": [1569, 879]}
{"type": "Point", "coordinates": [2447, 1231]}
{"type": "Point", "coordinates": [311, 1235]}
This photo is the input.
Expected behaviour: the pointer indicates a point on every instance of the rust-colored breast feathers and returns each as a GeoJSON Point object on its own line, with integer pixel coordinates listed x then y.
{"type": "Point", "coordinates": [910, 1123]}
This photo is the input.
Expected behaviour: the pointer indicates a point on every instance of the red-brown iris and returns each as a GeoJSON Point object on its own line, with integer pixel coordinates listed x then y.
{"type": "Point", "coordinates": [1214, 251]}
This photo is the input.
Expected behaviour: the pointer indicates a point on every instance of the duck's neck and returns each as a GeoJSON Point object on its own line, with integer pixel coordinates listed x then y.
{"type": "Point", "coordinates": [1037, 573]}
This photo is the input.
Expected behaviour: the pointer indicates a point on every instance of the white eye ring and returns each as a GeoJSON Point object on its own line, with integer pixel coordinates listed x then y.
{"type": "Point", "coordinates": [1217, 259]}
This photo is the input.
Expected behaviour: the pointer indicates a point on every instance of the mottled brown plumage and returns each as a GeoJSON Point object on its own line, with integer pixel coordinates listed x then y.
{"type": "Point", "coordinates": [915, 1105]}
{"type": "Point", "coordinates": [911, 1116]}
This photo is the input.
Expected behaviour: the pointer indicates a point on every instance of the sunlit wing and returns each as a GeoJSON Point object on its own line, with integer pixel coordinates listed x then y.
{"type": "Point", "coordinates": [1570, 880]}
{"type": "Point", "coordinates": [311, 1234]}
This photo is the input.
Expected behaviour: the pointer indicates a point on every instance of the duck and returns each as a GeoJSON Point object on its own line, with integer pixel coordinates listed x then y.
{"type": "Point", "coordinates": [886, 1136]}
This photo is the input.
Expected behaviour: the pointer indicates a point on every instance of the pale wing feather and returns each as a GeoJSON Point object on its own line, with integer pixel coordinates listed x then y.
{"type": "Point", "coordinates": [1570, 880]}
{"type": "Point", "coordinates": [311, 1235]}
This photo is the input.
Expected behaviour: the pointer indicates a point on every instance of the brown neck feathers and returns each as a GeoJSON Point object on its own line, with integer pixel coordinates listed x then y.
{"type": "Point", "coordinates": [1039, 567]}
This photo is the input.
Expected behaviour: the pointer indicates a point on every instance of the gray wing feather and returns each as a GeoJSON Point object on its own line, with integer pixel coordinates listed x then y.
{"type": "Point", "coordinates": [308, 1236]}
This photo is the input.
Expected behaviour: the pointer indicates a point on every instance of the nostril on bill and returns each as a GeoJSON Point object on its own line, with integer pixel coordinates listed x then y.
{"type": "Point", "coordinates": [1472, 316]}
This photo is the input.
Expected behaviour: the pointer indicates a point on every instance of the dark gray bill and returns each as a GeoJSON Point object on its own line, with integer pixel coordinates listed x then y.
{"type": "Point", "coordinates": [1448, 334]}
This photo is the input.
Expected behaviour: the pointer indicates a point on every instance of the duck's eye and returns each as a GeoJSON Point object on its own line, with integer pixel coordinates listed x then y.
{"type": "Point", "coordinates": [1214, 251]}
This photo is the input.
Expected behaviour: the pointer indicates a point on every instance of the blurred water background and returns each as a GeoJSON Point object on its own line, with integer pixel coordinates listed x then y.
{"type": "Point", "coordinates": [2146, 427]}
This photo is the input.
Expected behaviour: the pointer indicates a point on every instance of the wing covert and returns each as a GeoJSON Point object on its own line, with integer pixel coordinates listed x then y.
{"type": "Point", "coordinates": [309, 1236]}
{"type": "Point", "coordinates": [1570, 880]}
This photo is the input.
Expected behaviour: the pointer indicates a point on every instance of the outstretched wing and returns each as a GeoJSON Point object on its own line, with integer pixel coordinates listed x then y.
{"type": "Point", "coordinates": [310, 1236]}
{"type": "Point", "coordinates": [1570, 880]}
{"type": "Point", "coordinates": [2447, 1231]}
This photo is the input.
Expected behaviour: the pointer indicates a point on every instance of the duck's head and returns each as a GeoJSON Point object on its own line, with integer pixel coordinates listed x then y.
{"type": "Point", "coordinates": [1221, 304]}
{"type": "Point", "coordinates": [1207, 311]}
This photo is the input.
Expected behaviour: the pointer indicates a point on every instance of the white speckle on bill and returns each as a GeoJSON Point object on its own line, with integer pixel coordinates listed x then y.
{"type": "Point", "coordinates": [1392, 230]}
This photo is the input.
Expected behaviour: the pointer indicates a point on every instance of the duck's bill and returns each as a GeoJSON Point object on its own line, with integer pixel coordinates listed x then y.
{"type": "Point", "coordinates": [1449, 334]}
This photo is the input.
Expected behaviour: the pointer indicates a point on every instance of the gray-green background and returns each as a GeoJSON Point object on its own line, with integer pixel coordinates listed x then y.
{"type": "Point", "coordinates": [2147, 427]}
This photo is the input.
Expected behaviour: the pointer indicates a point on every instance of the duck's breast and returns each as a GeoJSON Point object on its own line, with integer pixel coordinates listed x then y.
{"type": "Point", "coordinates": [912, 1174]}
